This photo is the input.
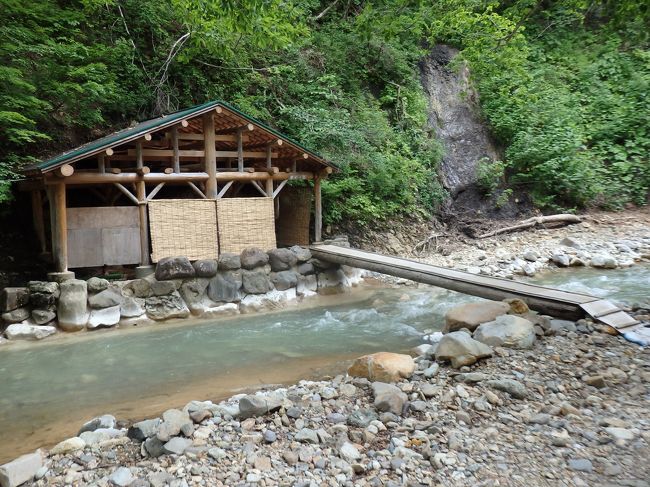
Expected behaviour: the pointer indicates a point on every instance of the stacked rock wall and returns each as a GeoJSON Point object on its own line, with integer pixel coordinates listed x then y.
{"type": "Point", "coordinates": [235, 283]}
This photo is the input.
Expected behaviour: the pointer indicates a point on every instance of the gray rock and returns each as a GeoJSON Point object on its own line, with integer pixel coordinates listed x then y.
{"type": "Point", "coordinates": [105, 422]}
{"type": "Point", "coordinates": [121, 477]}
{"type": "Point", "coordinates": [161, 479]}
{"type": "Point", "coordinates": [42, 300]}
{"type": "Point", "coordinates": [388, 397]}
{"type": "Point", "coordinates": [307, 435]}
{"type": "Point", "coordinates": [144, 429]}
{"type": "Point", "coordinates": [604, 261]}
{"type": "Point", "coordinates": [270, 436]}
{"type": "Point", "coordinates": [561, 260]}
{"type": "Point", "coordinates": [16, 315]}
{"type": "Point", "coordinates": [530, 256]}
{"type": "Point", "coordinates": [257, 405]}
{"type": "Point", "coordinates": [284, 280]}
{"type": "Point", "coordinates": [105, 299]}
{"type": "Point", "coordinates": [253, 257]}
{"type": "Point", "coordinates": [581, 465]}
{"type": "Point", "coordinates": [306, 269]}
{"type": "Point", "coordinates": [307, 285]}
{"type": "Point", "coordinates": [225, 286]}
{"type": "Point", "coordinates": [560, 325]}
{"type": "Point", "coordinates": [294, 412]}
{"type": "Point", "coordinates": [42, 316]}
{"type": "Point", "coordinates": [460, 349]}
{"type": "Point", "coordinates": [154, 447]}
{"type": "Point", "coordinates": [570, 242]}
{"type": "Point", "coordinates": [173, 422]}
{"type": "Point", "coordinates": [470, 315]}
{"type": "Point", "coordinates": [97, 284]}
{"type": "Point", "coordinates": [103, 318]}
{"type": "Point", "coordinates": [205, 268]}
{"type": "Point", "coordinates": [336, 418]}
{"type": "Point", "coordinates": [20, 470]}
{"type": "Point", "coordinates": [229, 262]}
{"type": "Point", "coordinates": [349, 452]}
{"type": "Point", "coordinates": [13, 297]}
{"type": "Point", "coordinates": [24, 331]}
{"type": "Point", "coordinates": [131, 307]}
{"type": "Point", "coordinates": [163, 288]}
{"type": "Point", "coordinates": [507, 331]}
{"type": "Point", "coordinates": [166, 307]}
{"type": "Point", "coordinates": [255, 282]}
{"type": "Point", "coordinates": [174, 268]}
{"type": "Point", "coordinates": [44, 287]}
{"type": "Point", "coordinates": [431, 371]}
{"type": "Point", "coordinates": [139, 288]}
{"type": "Point", "coordinates": [193, 292]}
{"type": "Point", "coordinates": [177, 445]}
{"type": "Point", "coordinates": [511, 386]}
{"type": "Point", "coordinates": [302, 254]}
{"type": "Point", "coordinates": [471, 377]}
{"type": "Point", "coordinates": [282, 259]}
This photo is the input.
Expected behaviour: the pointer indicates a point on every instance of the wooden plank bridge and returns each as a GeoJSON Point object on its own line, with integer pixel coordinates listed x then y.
{"type": "Point", "coordinates": [555, 302]}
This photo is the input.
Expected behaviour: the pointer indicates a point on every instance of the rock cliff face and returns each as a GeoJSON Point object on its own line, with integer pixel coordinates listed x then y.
{"type": "Point", "coordinates": [454, 116]}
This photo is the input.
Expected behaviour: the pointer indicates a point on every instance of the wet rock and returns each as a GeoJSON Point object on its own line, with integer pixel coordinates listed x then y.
{"type": "Point", "coordinates": [226, 309]}
{"type": "Point", "coordinates": [72, 311]}
{"type": "Point", "coordinates": [282, 259]}
{"type": "Point", "coordinates": [284, 280]}
{"type": "Point", "coordinates": [257, 405]}
{"type": "Point", "coordinates": [510, 386]}
{"type": "Point", "coordinates": [460, 349]}
{"type": "Point", "coordinates": [193, 292]}
{"type": "Point", "coordinates": [177, 445]}
{"type": "Point", "coordinates": [43, 316]}
{"type": "Point", "coordinates": [103, 318]}
{"type": "Point", "coordinates": [270, 301]}
{"type": "Point", "coordinates": [307, 285]}
{"type": "Point", "coordinates": [131, 308]}
{"type": "Point", "coordinates": [174, 268]}
{"type": "Point", "coordinates": [302, 254]}
{"type": "Point", "coordinates": [12, 298]}
{"type": "Point", "coordinates": [561, 260]}
{"type": "Point", "coordinates": [205, 268]}
{"type": "Point", "coordinates": [97, 284]}
{"type": "Point", "coordinates": [24, 331]}
{"type": "Point", "coordinates": [470, 315]}
{"type": "Point", "coordinates": [604, 261]}
{"type": "Point", "coordinates": [506, 331]}
{"type": "Point", "coordinates": [20, 470]}
{"type": "Point", "coordinates": [142, 430]}
{"type": "Point", "coordinates": [383, 366]}
{"type": "Point", "coordinates": [16, 316]}
{"type": "Point", "coordinates": [253, 257]}
{"type": "Point", "coordinates": [106, 421]}
{"type": "Point", "coordinates": [166, 307]}
{"type": "Point", "coordinates": [225, 286]}
{"type": "Point", "coordinates": [67, 446]}
{"type": "Point", "coordinates": [121, 477]}
{"type": "Point", "coordinates": [388, 398]}
{"type": "Point", "coordinates": [255, 282]}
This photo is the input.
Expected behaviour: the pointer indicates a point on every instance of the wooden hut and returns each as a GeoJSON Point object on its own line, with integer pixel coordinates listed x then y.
{"type": "Point", "coordinates": [198, 182]}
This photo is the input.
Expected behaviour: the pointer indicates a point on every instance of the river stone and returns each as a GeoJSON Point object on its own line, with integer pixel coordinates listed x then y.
{"type": "Point", "coordinates": [257, 405]}
{"type": "Point", "coordinates": [388, 397]}
{"type": "Point", "coordinates": [43, 316]}
{"type": "Point", "coordinates": [205, 268]}
{"type": "Point", "coordinates": [506, 331]}
{"type": "Point", "coordinates": [139, 288]}
{"type": "Point", "coordinates": [72, 309]}
{"type": "Point", "coordinates": [42, 300]}
{"type": "Point", "coordinates": [282, 259]}
{"type": "Point", "coordinates": [121, 477]}
{"type": "Point", "coordinates": [106, 421]}
{"type": "Point", "coordinates": [226, 309]}
{"type": "Point", "coordinates": [302, 254]}
{"type": "Point", "coordinates": [44, 287]}
{"type": "Point", "coordinates": [163, 288]}
{"type": "Point", "coordinates": [383, 366]}
{"type": "Point", "coordinates": [16, 315]}
{"type": "Point", "coordinates": [20, 470]}
{"type": "Point", "coordinates": [142, 430]}
{"type": "Point", "coordinates": [229, 262]}
{"type": "Point", "coordinates": [100, 435]}
{"type": "Point", "coordinates": [349, 452]}
{"type": "Point", "coordinates": [253, 257]}
{"type": "Point", "coordinates": [604, 261]}
{"type": "Point", "coordinates": [307, 285]}
{"type": "Point", "coordinates": [461, 349]}
{"type": "Point", "coordinates": [13, 297]}
{"type": "Point", "coordinates": [255, 282]}
{"type": "Point", "coordinates": [193, 292]}
{"type": "Point", "coordinates": [173, 421]}
{"type": "Point", "coordinates": [306, 269]}
{"type": "Point", "coordinates": [224, 287]}
{"type": "Point", "coordinates": [470, 315]}
{"type": "Point", "coordinates": [174, 268]}
{"type": "Point", "coordinates": [25, 331]}
{"type": "Point", "coordinates": [284, 280]}
{"type": "Point", "coordinates": [530, 255]}
{"type": "Point", "coordinates": [131, 307]}
{"type": "Point", "coordinates": [97, 284]}
{"type": "Point", "coordinates": [561, 260]}
{"type": "Point", "coordinates": [511, 386]}
{"type": "Point", "coordinates": [307, 435]}
{"type": "Point", "coordinates": [154, 447]}
{"type": "Point", "coordinates": [66, 446]}
{"type": "Point", "coordinates": [101, 318]}
{"type": "Point", "coordinates": [361, 418]}
{"type": "Point", "coordinates": [166, 307]}
{"type": "Point", "coordinates": [570, 242]}
{"type": "Point", "coordinates": [105, 299]}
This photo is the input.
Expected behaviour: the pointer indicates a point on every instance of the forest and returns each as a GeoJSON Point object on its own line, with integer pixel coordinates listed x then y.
{"type": "Point", "coordinates": [563, 86]}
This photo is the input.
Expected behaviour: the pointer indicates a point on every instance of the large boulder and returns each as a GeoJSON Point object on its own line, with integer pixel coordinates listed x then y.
{"type": "Point", "coordinates": [205, 268]}
{"type": "Point", "coordinates": [256, 282]}
{"type": "Point", "coordinates": [21, 470]}
{"type": "Point", "coordinates": [461, 349]}
{"type": "Point", "coordinates": [302, 254]}
{"type": "Point", "coordinates": [166, 307]}
{"type": "Point", "coordinates": [388, 398]}
{"type": "Point", "coordinates": [72, 310]}
{"type": "Point", "coordinates": [284, 280]}
{"type": "Point", "coordinates": [16, 315]}
{"type": "Point", "coordinates": [174, 268]}
{"type": "Point", "coordinates": [253, 257]}
{"type": "Point", "coordinates": [507, 331]}
{"type": "Point", "coordinates": [193, 292]}
{"type": "Point", "coordinates": [229, 262]}
{"type": "Point", "coordinates": [105, 299]}
{"type": "Point", "coordinates": [604, 261]}
{"type": "Point", "coordinates": [225, 286]}
{"type": "Point", "coordinates": [470, 315]}
{"type": "Point", "coordinates": [383, 367]}
{"type": "Point", "coordinates": [282, 259]}
{"type": "Point", "coordinates": [13, 297]}
{"type": "Point", "coordinates": [104, 318]}
{"type": "Point", "coordinates": [25, 331]}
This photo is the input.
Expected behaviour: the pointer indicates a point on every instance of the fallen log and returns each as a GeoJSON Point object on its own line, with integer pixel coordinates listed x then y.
{"type": "Point", "coordinates": [563, 218]}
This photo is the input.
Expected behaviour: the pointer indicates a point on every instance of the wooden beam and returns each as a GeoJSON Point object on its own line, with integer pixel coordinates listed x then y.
{"type": "Point", "coordinates": [218, 138]}
{"type": "Point", "coordinates": [64, 171]}
{"type": "Point", "coordinates": [225, 188]}
{"type": "Point", "coordinates": [269, 168]}
{"type": "Point", "coordinates": [154, 192]}
{"type": "Point", "coordinates": [39, 222]}
{"type": "Point", "coordinates": [109, 152]}
{"type": "Point", "coordinates": [157, 177]}
{"type": "Point", "coordinates": [127, 193]}
{"type": "Point", "coordinates": [166, 153]}
{"type": "Point", "coordinates": [139, 161]}
{"type": "Point", "coordinates": [247, 154]}
{"type": "Point", "coordinates": [143, 217]}
{"type": "Point", "coordinates": [59, 228]}
{"type": "Point", "coordinates": [279, 188]}
{"type": "Point", "coordinates": [101, 163]}
{"type": "Point", "coordinates": [318, 210]}
{"type": "Point", "coordinates": [210, 156]}
{"type": "Point", "coordinates": [248, 127]}
{"type": "Point", "coordinates": [143, 170]}
{"type": "Point", "coordinates": [196, 189]}
{"type": "Point", "coordinates": [176, 163]}
{"type": "Point", "coordinates": [259, 188]}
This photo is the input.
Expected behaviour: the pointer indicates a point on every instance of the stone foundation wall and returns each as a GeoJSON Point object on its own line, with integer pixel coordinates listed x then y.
{"type": "Point", "coordinates": [252, 281]}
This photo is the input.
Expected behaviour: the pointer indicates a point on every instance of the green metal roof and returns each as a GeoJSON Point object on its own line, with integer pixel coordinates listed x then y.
{"type": "Point", "coordinates": [139, 130]}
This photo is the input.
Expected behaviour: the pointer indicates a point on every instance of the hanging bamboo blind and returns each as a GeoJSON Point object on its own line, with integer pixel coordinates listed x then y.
{"type": "Point", "coordinates": [183, 228]}
{"type": "Point", "coordinates": [292, 227]}
{"type": "Point", "coordinates": [246, 222]}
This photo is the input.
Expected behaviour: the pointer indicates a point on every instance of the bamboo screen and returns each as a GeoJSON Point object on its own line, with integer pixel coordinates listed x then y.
{"type": "Point", "coordinates": [246, 222]}
{"type": "Point", "coordinates": [295, 211]}
{"type": "Point", "coordinates": [183, 228]}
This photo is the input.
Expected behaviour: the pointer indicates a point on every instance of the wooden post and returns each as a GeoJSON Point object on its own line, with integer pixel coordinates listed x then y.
{"type": "Point", "coordinates": [144, 222]}
{"type": "Point", "coordinates": [318, 210]}
{"type": "Point", "coordinates": [139, 161]}
{"type": "Point", "coordinates": [176, 163]}
{"type": "Point", "coordinates": [240, 151]}
{"type": "Point", "coordinates": [39, 223]}
{"type": "Point", "coordinates": [101, 163]}
{"type": "Point", "coordinates": [210, 156]}
{"type": "Point", "coordinates": [59, 228]}
{"type": "Point", "coordinates": [269, 181]}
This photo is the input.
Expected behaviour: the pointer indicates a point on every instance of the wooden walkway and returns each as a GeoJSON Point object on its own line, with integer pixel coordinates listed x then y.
{"type": "Point", "coordinates": [555, 302]}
